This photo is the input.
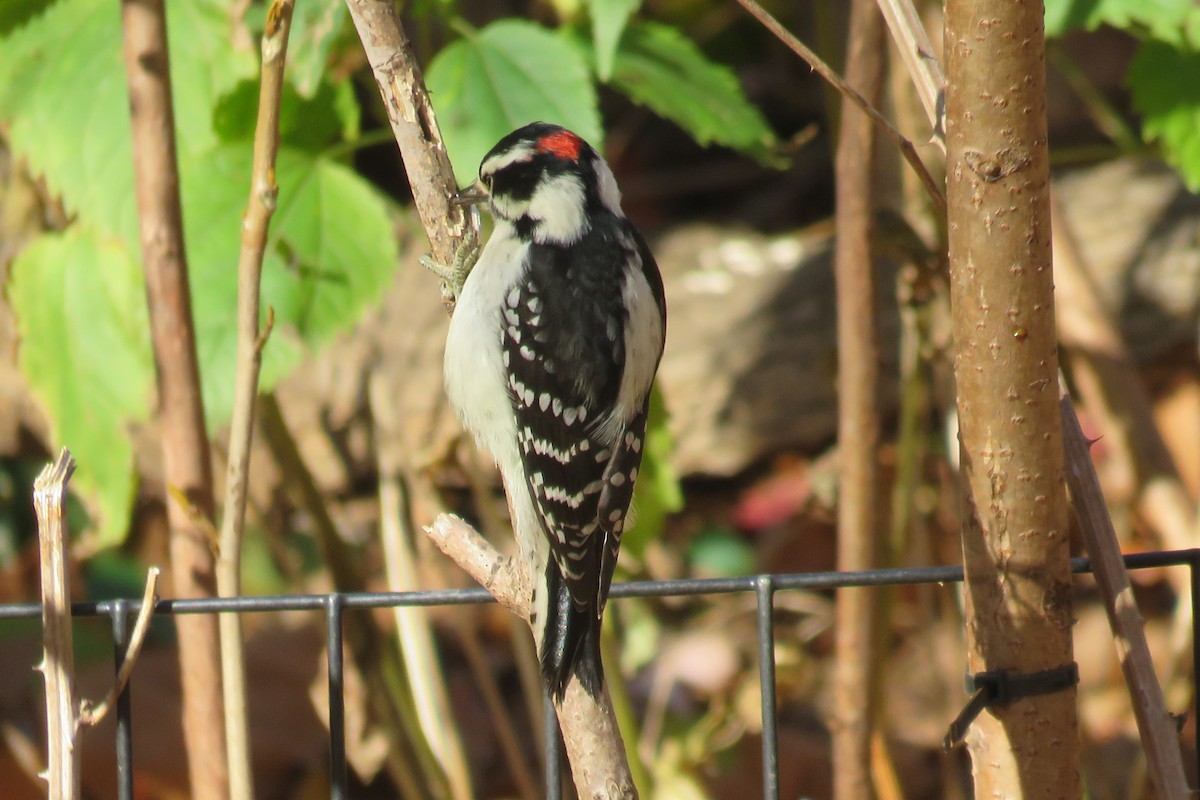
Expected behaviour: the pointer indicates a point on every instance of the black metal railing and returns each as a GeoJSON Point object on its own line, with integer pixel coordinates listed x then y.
{"type": "Point", "coordinates": [334, 606]}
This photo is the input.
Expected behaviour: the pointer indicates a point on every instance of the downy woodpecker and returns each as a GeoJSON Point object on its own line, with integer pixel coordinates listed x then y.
{"type": "Point", "coordinates": [553, 346]}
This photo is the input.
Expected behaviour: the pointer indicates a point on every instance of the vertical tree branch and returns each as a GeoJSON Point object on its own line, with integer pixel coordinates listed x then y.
{"type": "Point", "coordinates": [1018, 586]}
{"type": "Point", "coordinates": [58, 660]}
{"type": "Point", "coordinates": [255, 224]}
{"type": "Point", "coordinates": [180, 407]}
{"type": "Point", "coordinates": [402, 86]}
{"type": "Point", "coordinates": [858, 412]}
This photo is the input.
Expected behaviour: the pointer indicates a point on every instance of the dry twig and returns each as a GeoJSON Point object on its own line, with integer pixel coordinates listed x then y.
{"type": "Point", "coordinates": [58, 661]}
{"type": "Point", "coordinates": [1116, 398]}
{"type": "Point", "coordinates": [255, 224]}
{"type": "Point", "coordinates": [923, 66]}
{"type": "Point", "coordinates": [1159, 736]}
{"type": "Point", "coordinates": [821, 68]}
{"type": "Point", "coordinates": [92, 713]}
{"type": "Point", "coordinates": [186, 459]}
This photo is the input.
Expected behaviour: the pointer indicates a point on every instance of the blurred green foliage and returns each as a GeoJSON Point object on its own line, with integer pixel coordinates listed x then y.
{"type": "Point", "coordinates": [1164, 78]}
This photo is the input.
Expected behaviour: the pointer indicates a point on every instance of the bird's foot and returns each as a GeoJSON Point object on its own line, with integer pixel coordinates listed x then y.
{"type": "Point", "coordinates": [454, 275]}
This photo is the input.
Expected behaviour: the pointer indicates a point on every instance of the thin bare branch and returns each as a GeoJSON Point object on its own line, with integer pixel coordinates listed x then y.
{"type": "Point", "coordinates": [90, 714]}
{"type": "Point", "coordinates": [255, 224]}
{"type": "Point", "coordinates": [186, 458]}
{"type": "Point", "coordinates": [821, 68]}
{"type": "Point", "coordinates": [1159, 736]}
{"type": "Point", "coordinates": [58, 661]}
{"type": "Point", "coordinates": [402, 86]}
{"type": "Point", "coordinates": [592, 738]}
{"type": "Point", "coordinates": [858, 410]}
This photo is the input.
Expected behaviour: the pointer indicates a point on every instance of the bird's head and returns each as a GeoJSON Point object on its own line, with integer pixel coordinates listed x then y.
{"type": "Point", "coordinates": [547, 182]}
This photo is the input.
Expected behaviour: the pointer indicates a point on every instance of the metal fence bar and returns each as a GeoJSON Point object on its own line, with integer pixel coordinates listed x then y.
{"type": "Point", "coordinates": [672, 588]}
{"type": "Point", "coordinates": [1194, 574]}
{"type": "Point", "coordinates": [763, 586]}
{"type": "Point", "coordinates": [765, 591]}
{"type": "Point", "coordinates": [337, 708]}
{"type": "Point", "coordinates": [553, 751]}
{"type": "Point", "coordinates": [124, 743]}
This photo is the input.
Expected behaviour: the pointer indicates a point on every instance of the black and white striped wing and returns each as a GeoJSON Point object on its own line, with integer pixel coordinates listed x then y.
{"type": "Point", "coordinates": [561, 386]}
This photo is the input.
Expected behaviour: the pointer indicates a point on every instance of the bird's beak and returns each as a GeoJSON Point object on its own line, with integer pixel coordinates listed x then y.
{"type": "Point", "coordinates": [473, 195]}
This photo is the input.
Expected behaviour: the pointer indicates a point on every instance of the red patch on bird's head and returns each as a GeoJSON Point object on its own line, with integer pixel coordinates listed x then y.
{"type": "Point", "coordinates": [563, 144]}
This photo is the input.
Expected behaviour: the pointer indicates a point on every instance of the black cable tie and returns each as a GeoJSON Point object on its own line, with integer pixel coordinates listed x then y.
{"type": "Point", "coordinates": [998, 687]}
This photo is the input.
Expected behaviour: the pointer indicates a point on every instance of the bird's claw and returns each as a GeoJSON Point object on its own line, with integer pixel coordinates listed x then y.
{"type": "Point", "coordinates": [454, 275]}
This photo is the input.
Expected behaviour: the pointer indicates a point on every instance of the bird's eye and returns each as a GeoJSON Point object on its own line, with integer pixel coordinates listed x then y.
{"type": "Point", "coordinates": [487, 181]}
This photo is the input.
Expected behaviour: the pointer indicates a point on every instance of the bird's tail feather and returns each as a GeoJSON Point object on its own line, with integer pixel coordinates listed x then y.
{"type": "Point", "coordinates": [570, 642]}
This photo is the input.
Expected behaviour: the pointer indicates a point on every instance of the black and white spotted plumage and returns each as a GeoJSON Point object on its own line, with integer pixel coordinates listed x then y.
{"type": "Point", "coordinates": [549, 362]}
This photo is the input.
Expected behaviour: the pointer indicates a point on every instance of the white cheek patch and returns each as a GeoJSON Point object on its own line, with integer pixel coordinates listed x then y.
{"type": "Point", "coordinates": [521, 152]}
{"type": "Point", "coordinates": [557, 206]}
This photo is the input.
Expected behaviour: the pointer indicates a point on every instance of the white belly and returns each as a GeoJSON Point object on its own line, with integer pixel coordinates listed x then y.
{"type": "Point", "coordinates": [477, 382]}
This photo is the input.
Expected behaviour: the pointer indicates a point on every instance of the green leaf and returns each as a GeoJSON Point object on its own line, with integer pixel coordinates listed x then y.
{"type": "Point", "coordinates": [82, 322]}
{"type": "Point", "coordinates": [314, 121]}
{"type": "Point", "coordinates": [316, 26]}
{"type": "Point", "coordinates": [506, 75]}
{"type": "Point", "coordinates": [331, 254]}
{"type": "Point", "coordinates": [659, 67]}
{"type": "Point", "coordinates": [81, 306]}
{"type": "Point", "coordinates": [14, 13]}
{"type": "Point", "coordinates": [1165, 81]}
{"type": "Point", "coordinates": [78, 296]}
{"type": "Point", "coordinates": [63, 91]}
{"type": "Point", "coordinates": [1163, 19]}
{"type": "Point", "coordinates": [609, 18]}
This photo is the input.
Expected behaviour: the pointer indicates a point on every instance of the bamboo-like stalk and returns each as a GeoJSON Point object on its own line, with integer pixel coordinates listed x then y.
{"type": "Point", "coordinates": [414, 634]}
{"type": "Point", "coordinates": [916, 51]}
{"type": "Point", "coordinates": [411, 763]}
